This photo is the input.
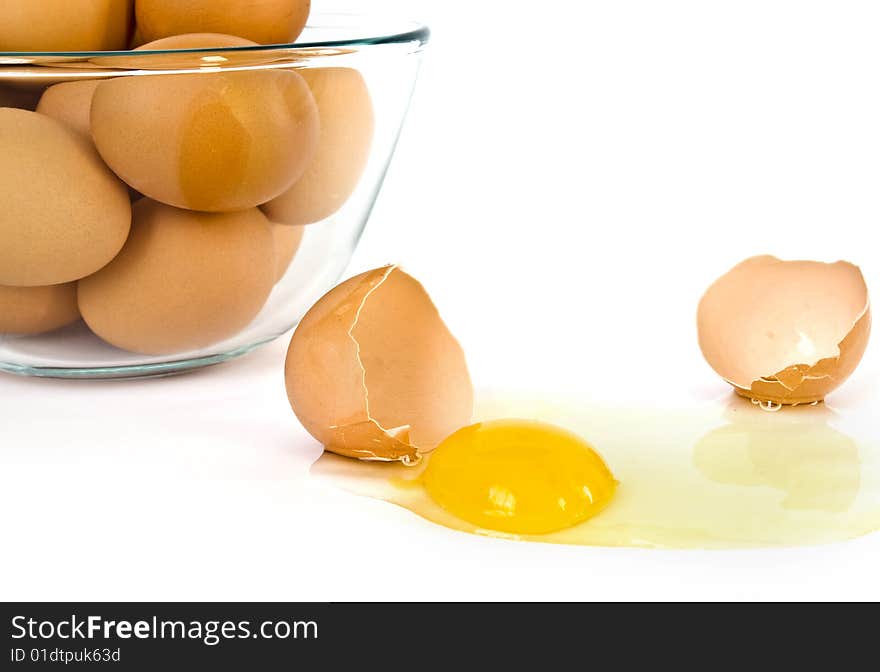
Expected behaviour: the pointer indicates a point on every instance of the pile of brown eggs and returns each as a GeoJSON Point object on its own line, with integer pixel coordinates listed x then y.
{"type": "Point", "coordinates": [162, 209]}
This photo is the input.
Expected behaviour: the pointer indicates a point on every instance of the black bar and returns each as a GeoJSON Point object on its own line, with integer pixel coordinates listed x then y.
{"type": "Point", "coordinates": [411, 636]}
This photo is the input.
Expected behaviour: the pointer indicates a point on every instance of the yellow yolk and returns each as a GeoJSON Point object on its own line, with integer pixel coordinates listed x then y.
{"type": "Point", "coordinates": [518, 477]}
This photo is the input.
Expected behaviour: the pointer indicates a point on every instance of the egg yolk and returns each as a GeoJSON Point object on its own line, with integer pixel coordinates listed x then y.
{"type": "Point", "coordinates": [518, 477]}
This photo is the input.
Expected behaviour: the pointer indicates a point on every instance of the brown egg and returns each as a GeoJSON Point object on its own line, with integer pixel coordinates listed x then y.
{"type": "Point", "coordinates": [212, 142]}
{"type": "Point", "coordinates": [263, 21]}
{"type": "Point", "coordinates": [287, 241]}
{"type": "Point", "coordinates": [197, 41]}
{"type": "Point", "coordinates": [65, 25]}
{"type": "Point", "coordinates": [184, 280]}
{"type": "Point", "coordinates": [785, 332]}
{"type": "Point", "coordinates": [372, 372]}
{"type": "Point", "coordinates": [36, 78]}
{"type": "Point", "coordinates": [26, 311]}
{"type": "Point", "coordinates": [137, 39]}
{"type": "Point", "coordinates": [70, 103]}
{"type": "Point", "coordinates": [64, 215]}
{"type": "Point", "coordinates": [346, 113]}
{"type": "Point", "coordinates": [193, 50]}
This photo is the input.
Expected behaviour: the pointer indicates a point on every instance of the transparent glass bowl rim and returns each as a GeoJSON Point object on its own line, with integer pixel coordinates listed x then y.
{"type": "Point", "coordinates": [399, 31]}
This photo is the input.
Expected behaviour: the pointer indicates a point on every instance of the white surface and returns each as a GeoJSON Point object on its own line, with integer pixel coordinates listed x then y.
{"type": "Point", "coordinates": [569, 182]}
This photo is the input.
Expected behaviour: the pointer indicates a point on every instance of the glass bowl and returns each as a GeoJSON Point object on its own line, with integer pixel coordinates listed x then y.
{"type": "Point", "coordinates": [140, 319]}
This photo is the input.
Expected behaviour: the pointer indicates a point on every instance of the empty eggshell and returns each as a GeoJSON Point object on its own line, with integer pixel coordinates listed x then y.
{"type": "Point", "coordinates": [263, 21]}
{"type": "Point", "coordinates": [212, 142]}
{"type": "Point", "coordinates": [287, 241]}
{"type": "Point", "coordinates": [785, 332]}
{"type": "Point", "coordinates": [70, 103]}
{"type": "Point", "coordinates": [64, 215]}
{"type": "Point", "coordinates": [372, 372]}
{"type": "Point", "coordinates": [184, 280]}
{"type": "Point", "coordinates": [26, 311]}
{"type": "Point", "coordinates": [65, 25]}
{"type": "Point", "coordinates": [347, 120]}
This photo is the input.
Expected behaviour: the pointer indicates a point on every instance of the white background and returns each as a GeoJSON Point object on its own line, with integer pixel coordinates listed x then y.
{"type": "Point", "coordinates": [572, 176]}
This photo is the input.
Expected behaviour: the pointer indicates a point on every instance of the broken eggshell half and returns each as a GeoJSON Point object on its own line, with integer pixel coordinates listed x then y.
{"type": "Point", "coordinates": [372, 371]}
{"type": "Point", "coordinates": [785, 332]}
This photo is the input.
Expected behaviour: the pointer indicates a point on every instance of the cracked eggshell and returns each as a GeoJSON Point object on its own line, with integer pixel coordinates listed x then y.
{"type": "Point", "coordinates": [372, 371]}
{"type": "Point", "coordinates": [212, 142]}
{"type": "Point", "coordinates": [65, 25]}
{"type": "Point", "coordinates": [786, 332]}
{"type": "Point", "coordinates": [347, 125]}
{"type": "Point", "coordinates": [184, 280]}
{"type": "Point", "coordinates": [63, 214]}
{"type": "Point", "coordinates": [263, 21]}
{"type": "Point", "coordinates": [27, 311]}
